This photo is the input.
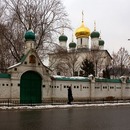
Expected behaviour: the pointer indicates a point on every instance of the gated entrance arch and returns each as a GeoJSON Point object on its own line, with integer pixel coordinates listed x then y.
{"type": "Point", "coordinates": [30, 87]}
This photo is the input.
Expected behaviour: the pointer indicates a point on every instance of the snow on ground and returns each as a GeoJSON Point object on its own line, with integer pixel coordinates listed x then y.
{"type": "Point", "coordinates": [63, 106]}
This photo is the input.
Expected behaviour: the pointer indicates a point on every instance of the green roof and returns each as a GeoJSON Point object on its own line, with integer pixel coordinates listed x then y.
{"type": "Point", "coordinates": [101, 42]}
{"type": "Point", "coordinates": [128, 81]}
{"type": "Point", "coordinates": [63, 38]}
{"type": "Point", "coordinates": [95, 34]}
{"type": "Point", "coordinates": [4, 75]}
{"type": "Point", "coordinates": [29, 35]}
{"type": "Point", "coordinates": [109, 80]}
{"type": "Point", "coordinates": [72, 45]}
{"type": "Point", "coordinates": [24, 56]}
{"type": "Point", "coordinates": [85, 79]}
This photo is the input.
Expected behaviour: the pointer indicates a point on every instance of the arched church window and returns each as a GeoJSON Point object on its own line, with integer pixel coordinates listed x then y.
{"type": "Point", "coordinates": [81, 41]}
{"type": "Point", "coordinates": [32, 59]}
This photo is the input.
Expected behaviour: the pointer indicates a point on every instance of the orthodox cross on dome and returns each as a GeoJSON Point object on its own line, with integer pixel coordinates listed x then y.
{"type": "Point", "coordinates": [72, 37]}
{"type": "Point", "coordinates": [30, 21]}
{"type": "Point", "coordinates": [82, 16]}
{"type": "Point", "coordinates": [100, 34]}
{"type": "Point", "coordinates": [94, 25]}
{"type": "Point", "coordinates": [62, 32]}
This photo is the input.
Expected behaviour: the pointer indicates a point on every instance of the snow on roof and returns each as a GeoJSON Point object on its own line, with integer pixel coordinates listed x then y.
{"type": "Point", "coordinates": [74, 78]}
{"type": "Point", "coordinates": [14, 65]}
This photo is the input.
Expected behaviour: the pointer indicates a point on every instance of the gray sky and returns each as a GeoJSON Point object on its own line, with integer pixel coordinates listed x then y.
{"type": "Point", "coordinates": [112, 19]}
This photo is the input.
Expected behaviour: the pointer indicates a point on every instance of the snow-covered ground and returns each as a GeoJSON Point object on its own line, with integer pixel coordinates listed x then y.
{"type": "Point", "coordinates": [63, 106]}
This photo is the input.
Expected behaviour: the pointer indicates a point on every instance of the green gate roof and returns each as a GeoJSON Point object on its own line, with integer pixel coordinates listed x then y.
{"type": "Point", "coordinates": [5, 75]}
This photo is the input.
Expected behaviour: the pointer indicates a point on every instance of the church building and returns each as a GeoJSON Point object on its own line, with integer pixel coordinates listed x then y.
{"type": "Point", "coordinates": [30, 81]}
{"type": "Point", "coordinates": [26, 81]}
{"type": "Point", "coordinates": [69, 57]}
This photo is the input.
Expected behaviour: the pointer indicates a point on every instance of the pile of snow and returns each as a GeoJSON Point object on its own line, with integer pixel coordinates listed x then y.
{"type": "Point", "coordinates": [64, 106]}
{"type": "Point", "coordinates": [73, 77]}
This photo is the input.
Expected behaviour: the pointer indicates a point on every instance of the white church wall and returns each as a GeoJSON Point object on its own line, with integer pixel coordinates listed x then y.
{"type": "Point", "coordinates": [79, 89]}
{"type": "Point", "coordinates": [15, 89]}
{"type": "Point", "coordinates": [125, 90]}
{"type": "Point", "coordinates": [92, 89]}
{"type": "Point", "coordinates": [4, 88]}
{"type": "Point", "coordinates": [46, 88]}
{"type": "Point", "coordinates": [103, 90]}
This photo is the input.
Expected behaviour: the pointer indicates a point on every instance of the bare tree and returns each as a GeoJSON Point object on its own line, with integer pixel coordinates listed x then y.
{"type": "Point", "coordinates": [44, 17]}
{"type": "Point", "coordinates": [72, 62]}
{"type": "Point", "coordinates": [64, 62]}
{"type": "Point", "coordinates": [5, 57]}
{"type": "Point", "coordinates": [99, 59]}
{"type": "Point", "coordinates": [120, 63]}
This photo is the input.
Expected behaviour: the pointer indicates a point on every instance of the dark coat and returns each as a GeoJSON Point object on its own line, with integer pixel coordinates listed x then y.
{"type": "Point", "coordinates": [70, 96]}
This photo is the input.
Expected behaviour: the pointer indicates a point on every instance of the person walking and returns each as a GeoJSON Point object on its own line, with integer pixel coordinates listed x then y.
{"type": "Point", "coordinates": [70, 96]}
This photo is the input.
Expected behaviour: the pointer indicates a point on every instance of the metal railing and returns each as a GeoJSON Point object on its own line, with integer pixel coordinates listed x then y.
{"type": "Point", "coordinates": [13, 103]}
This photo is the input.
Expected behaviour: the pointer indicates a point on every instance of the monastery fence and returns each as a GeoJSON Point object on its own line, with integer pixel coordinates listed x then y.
{"type": "Point", "coordinates": [13, 103]}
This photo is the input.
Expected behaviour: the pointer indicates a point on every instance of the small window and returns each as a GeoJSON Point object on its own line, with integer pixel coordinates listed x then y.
{"type": "Point", "coordinates": [43, 86]}
{"type": "Point", "coordinates": [32, 59]}
{"type": "Point", "coordinates": [81, 73]}
{"type": "Point", "coordinates": [64, 86]}
{"type": "Point", "coordinates": [3, 84]}
{"type": "Point", "coordinates": [105, 87]}
{"type": "Point", "coordinates": [25, 62]}
{"type": "Point", "coordinates": [6, 84]}
{"type": "Point", "coordinates": [39, 64]}
{"type": "Point", "coordinates": [15, 69]}
{"type": "Point", "coordinates": [111, 87]}
{"type": "Point", "coordinates": [58, 73]}
{"type": "Point", "coordinates": [76, 73]}
{"type": "Point", "coordinates": [11, 84]}
{"type": "Point", "coordinates": [18, 84]}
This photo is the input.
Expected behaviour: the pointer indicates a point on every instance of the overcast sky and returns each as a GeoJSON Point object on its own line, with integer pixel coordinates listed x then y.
{"type": "Point", "coordinates": [112, 19]}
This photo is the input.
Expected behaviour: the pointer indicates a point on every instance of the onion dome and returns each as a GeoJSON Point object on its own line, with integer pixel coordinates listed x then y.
{"type": "Point", "coordinates": [95, 34]}
{"type": "Point", "coordinates": [30, 35]}
{"type": "Point", "coordinates": [63, 38]}
{"type": "Point", "coordinates": [101, 42]}
{"type": "Point", "coordinates": [82, 31]}
{"type": "Point", "coordinates": [72, 45]}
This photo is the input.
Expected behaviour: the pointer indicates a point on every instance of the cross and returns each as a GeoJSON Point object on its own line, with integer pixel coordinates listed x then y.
{"type": "Point", "coordinates": [94, 25]}
{"type": "Point", "coordinates": [30, 21]}
{"type": "Point", "coordinates": [82, 16]}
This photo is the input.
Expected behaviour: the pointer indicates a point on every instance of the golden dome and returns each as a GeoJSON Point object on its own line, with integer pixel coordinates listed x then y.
{"type": "Point", "coordinates": [82, 31]}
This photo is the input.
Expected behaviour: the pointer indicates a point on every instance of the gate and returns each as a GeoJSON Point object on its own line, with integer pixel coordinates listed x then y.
{"type": "Point", "coordinates": [30, 88]}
